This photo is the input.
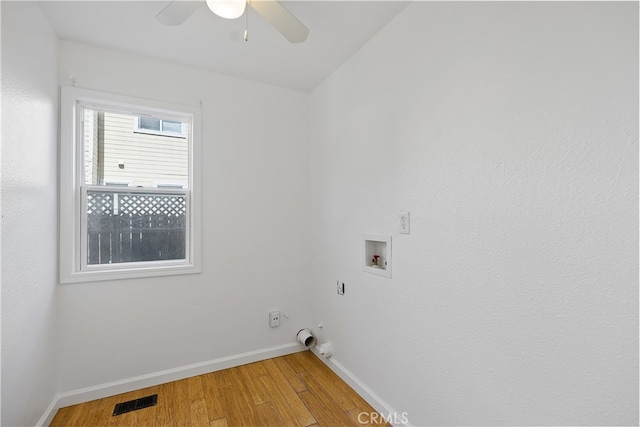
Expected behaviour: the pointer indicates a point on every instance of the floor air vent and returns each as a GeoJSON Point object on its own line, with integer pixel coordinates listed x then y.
{"type": "Point", "coordinates": [134, 405]}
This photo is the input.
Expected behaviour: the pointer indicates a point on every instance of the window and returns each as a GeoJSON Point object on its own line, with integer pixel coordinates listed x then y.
{"type": "Point", "coordinates": [129, 199]}
{"type": "Point", "coordinates": [156, 126]}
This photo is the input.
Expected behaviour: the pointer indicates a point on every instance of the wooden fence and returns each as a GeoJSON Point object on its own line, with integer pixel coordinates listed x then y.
{"type": "Point", "coordinates": [130, 227]}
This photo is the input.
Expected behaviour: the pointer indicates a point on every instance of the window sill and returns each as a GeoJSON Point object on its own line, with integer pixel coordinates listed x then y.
{"type": "Point", "coordinates": [128, 273]}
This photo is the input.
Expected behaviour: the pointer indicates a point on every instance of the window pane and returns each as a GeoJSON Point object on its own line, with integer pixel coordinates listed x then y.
{"type": "Point", "coordinates": [149, 123]}
{"type": "Point", "coordinates": [129, 227]}
{"type": "Point", "coordinates": [170, 126]}
{"type": "Point", "coordinates": [116, 153]}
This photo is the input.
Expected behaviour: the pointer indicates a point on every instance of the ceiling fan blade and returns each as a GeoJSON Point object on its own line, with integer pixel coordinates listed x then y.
{"type": "Point", "coordinates": [176, 12]}
{"type": "Point", "coordinates": [283, 20]}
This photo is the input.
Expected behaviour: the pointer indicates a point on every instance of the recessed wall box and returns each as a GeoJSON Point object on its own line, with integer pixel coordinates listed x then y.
{"type": "Point", "coordinates": [377, 254]}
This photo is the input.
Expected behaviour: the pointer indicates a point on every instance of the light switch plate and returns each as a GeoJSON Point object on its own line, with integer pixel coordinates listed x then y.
{"type": "Point", "coordinates": [403, 222]}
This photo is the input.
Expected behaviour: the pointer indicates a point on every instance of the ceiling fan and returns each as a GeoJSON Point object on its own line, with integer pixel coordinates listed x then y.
{"type": "Point", "coordinates": [176, 12]}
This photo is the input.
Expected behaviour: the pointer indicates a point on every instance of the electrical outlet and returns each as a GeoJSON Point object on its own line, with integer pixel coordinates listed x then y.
{"type": "Point", "coordinates": [274, 319]}
{"type": "Point", "coordinates": [340, 287]}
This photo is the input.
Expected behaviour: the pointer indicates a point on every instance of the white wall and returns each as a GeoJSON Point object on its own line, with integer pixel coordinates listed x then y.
{"type": "Point", "coordinates": [510, 132]}
{"type": "Point", "coordinates": [29, 213]}
{"type": "Point", "coordinates": [255, 222]}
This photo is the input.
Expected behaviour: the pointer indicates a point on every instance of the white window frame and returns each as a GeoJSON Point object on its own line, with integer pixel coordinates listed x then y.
{"type": "Point", "coordinates": [73, 190]}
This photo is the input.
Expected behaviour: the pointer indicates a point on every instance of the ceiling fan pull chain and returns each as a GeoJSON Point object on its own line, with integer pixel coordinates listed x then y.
{"type": "Point", "coordinates": [246, 25]}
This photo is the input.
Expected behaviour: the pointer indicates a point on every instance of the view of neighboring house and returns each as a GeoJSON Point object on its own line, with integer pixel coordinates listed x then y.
{"type": "Point", "coordinates": [124, 149]}
{"type": "Point", "coordinates": [134, 151]}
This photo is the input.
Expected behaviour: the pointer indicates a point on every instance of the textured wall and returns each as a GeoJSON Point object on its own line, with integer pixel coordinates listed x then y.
{"type": "Point", "coordinates": [510, 132]}
{"type": "Point", "coordinates": [29, 213]}
{"type": "Point", "coordinates": [254, 225]}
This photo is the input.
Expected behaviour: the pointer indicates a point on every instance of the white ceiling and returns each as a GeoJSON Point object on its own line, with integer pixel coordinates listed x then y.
{"type": "Point", "coordinates": [337, 29]}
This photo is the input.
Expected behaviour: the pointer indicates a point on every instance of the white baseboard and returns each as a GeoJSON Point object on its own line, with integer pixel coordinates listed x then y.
{"type": "Point", "coordinates": [397, 419]}
{"type": "Point", "coordinates": [100, 391]}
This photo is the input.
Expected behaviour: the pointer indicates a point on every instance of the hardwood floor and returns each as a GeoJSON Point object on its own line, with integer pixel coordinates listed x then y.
{"type": "Point", "coordinates": [293, 390]}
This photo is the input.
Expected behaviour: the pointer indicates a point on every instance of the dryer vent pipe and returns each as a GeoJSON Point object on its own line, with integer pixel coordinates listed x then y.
{"type": "Point", "coordinates": [305, 338]}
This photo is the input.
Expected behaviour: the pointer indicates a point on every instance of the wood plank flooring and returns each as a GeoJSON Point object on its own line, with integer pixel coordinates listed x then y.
{"type": "Point", "coordinates": [293, 390]}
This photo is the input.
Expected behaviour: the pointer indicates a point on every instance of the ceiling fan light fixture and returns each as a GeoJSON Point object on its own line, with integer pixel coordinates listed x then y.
{"type": "Point", "coordinates": [228, 9]}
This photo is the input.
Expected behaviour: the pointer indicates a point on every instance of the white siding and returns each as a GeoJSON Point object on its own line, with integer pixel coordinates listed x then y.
{"type": "Point", "coordinates": [91, 148]}
{"type": "Point", "coordinates": [148, 159]}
